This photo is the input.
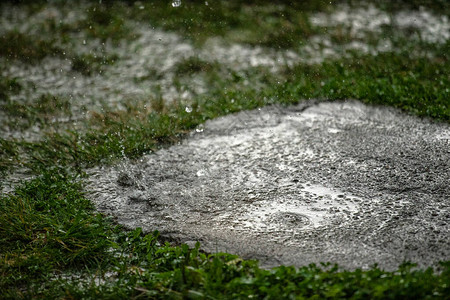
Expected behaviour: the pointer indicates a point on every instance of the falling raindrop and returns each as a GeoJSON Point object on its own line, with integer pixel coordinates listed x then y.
{"type": "Point", "coordinates": [176, 3]}
{"type": "Point", "coordinates": [84, 42]}
{"type": "Point", "coordinates": [200, 128]}
{"type": "Point", "coordinates": [188, 109]}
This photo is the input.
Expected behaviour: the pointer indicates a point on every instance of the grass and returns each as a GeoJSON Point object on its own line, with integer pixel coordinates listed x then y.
{"type": "Point", "coordinates": [42, 110]}
{"type": "Point", "coordinates": [104, 23]}
{"type": "Point", "coordinates": [417, 86]}
{"type": "Point", "coordinates": [9, 85]}
{"type": "Point", "coordinates": [89, 64]}
{"type": "Point", "coordinates": [8, 156]}
{"type": "Point", "coordinates": [192, 65]}
{"type": "Point", "coordinates": [52, 242]}
{"type": "Point", "coordinates": [255, 24]}
{"type": "Point", "coordinates": [30, 49]}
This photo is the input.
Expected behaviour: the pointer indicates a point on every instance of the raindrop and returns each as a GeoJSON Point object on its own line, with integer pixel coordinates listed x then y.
{"type": "Point", "coordinates": [141, 7]}
{"type": "Point", "coordinates": [200, 128]}
{"type": "Point", "coordinates": [84, 42]}
{"type": "Point", "coordinates": [176, 3]}
{"type": "Point", "coordinates": [188, 109]}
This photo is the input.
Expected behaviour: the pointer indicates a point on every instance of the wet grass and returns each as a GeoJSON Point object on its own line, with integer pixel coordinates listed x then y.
{"type": "Point", "coordinates": [8, 156]}
{"type": "Point", "coordinates": [101, 24]}
{"type": "Point", "coordinates": [418, 86]}
{"type": "Point", "coordinates": [193, 65]}
{"type": "Point", "coordinates": [54, 245]}
{"type": "Point", "coordinates": [8, 86]}
{"type": "Point", "coordinates": [42, 110]}
{"type": "Point", "coordinates": [106, 22]}
{"type": "Point", "coordinates": [90, 64]}
{"type": "Point", "coordinates": [27, 48]}
{"type": "Point", "coordinates": [283, 25]}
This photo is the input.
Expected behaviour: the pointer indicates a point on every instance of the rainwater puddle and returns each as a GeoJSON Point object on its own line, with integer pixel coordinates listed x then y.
{"type": "Point", "coordinates": [308, 183]}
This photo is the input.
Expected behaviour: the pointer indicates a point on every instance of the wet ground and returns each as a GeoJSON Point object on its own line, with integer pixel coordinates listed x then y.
{"type": "Point", "coordinates": [340, 182]}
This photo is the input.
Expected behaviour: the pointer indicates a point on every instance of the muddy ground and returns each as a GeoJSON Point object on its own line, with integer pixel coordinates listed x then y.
{"type": "Point", "coordinates": [336, 182]}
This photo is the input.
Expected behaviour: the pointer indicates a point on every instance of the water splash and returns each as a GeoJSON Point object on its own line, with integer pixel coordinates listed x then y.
{"type": "Point", "coordinates": [176, 3]}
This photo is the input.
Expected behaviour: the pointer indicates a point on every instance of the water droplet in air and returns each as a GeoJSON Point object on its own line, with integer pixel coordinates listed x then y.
{"type": "Point", "coordinates": [141, 7]}
{"type": "Point", "coordinates": [188, 109]}
{"type": "Point", "coordinates": [84, 42]}
{"type": "Point", "coordinates": [176, 3]}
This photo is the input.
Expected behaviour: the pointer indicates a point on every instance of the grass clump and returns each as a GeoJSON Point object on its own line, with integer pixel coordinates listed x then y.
{"type": "Point", "coordinates": [417, 86]}
{"type": "Point", "coordinates": [40, 111]}
{"type": "Point", "coordinates": [8, 156]}
{"type": "Point", "coordinates": [9, 86]}
{"type": "Point", "coordinates": [45, 226]}
{"type": "Point", "coordinates": [89, 64]}
{"type": "Point", "coordinates": [19, 46]}
{"type": "Point", "coordinates": [106, 22]}
{"type": "Point", "coordinates": [193, 65]}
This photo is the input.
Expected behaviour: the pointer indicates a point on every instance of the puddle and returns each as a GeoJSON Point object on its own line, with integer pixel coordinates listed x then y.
{"type": "Point", "coordinates": [303, 184]}
{"type": "Point", "coordinates": [430, 27]}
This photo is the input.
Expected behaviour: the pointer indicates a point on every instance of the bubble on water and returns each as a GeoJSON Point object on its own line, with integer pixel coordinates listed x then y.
{"type": "Point", "coordinates": [176, 3]}
{"type": "Point", "coordinates": [188, 109]}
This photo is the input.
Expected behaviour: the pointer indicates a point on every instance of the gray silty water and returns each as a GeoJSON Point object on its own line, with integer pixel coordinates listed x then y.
{"type": "Point", "coordinates": [335, 181]}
